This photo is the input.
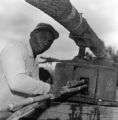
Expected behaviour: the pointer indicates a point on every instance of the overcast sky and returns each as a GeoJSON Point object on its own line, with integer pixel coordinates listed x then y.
{"type": "Point", "coordinates": [18, 18]}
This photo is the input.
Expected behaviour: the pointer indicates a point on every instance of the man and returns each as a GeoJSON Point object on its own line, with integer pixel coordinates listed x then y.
{"type": "Point", "coordinates": [47, 35]}
{"type": "Point", "coordinates": [18, 73]}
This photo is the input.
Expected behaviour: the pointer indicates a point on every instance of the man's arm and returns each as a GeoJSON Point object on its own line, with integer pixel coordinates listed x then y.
{"type": "Point", "coordinates": [15, 72]}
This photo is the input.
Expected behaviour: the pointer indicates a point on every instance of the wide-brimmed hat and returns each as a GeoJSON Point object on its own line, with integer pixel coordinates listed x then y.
{"type": "Point", "coordinates": [45, 26]}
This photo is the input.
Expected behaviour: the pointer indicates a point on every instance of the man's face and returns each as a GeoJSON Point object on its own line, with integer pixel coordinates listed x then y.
{"type": "Point", "coordinates": [41, 41]}
{"type": "Point", "coordinates": [43, 36]}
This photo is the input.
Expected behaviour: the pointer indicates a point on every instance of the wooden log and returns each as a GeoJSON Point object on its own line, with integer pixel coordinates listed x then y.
{"type": "Point", "coordinates": [68, 16]}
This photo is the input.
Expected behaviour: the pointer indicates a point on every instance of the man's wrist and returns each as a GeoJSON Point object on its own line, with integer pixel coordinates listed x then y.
{"type": "Point", "coordinates": [46, 88]}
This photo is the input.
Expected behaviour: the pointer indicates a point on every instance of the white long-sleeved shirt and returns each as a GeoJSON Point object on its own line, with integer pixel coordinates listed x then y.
{"type": "Point", "coordinates": [18, 74]}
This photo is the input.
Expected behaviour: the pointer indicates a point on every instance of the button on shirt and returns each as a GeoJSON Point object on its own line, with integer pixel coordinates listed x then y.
{"type": "Point", "coordinates": [18, 74]}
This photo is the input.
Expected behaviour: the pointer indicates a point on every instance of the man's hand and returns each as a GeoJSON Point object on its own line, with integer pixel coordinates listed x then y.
{"type": "Point", "coordinates": [54, 92]}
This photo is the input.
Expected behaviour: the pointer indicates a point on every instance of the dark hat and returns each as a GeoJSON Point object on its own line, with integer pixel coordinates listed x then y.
{"type": "Point", "coordinates": [45, 26]}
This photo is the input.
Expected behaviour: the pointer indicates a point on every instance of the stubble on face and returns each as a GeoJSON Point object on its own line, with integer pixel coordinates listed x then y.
{"type": "Point", "coordinates": [41, 41]}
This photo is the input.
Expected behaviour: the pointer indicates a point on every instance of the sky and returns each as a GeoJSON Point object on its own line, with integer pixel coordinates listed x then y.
{"type": "Point", "coordinates": [18, 19]}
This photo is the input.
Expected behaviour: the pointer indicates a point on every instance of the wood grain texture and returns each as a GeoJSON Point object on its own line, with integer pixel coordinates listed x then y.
{"type": "Point", "coordinates": [65, 13]}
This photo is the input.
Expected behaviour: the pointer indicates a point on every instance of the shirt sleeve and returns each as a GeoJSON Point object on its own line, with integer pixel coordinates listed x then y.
{"type": "Point", "coordinates": [14, 69]}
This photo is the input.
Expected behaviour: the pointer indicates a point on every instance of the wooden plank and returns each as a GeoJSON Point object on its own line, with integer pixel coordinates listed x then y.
{"type": "Point", "coordinates": [68, 111]}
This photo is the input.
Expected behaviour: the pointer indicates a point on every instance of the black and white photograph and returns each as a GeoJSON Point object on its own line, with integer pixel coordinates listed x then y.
{"type": "Point", "coordinates": [58, 60]}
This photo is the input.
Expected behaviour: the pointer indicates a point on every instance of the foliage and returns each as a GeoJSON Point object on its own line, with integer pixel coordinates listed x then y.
{"type": "Point", "coordinates": [112, 54]}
